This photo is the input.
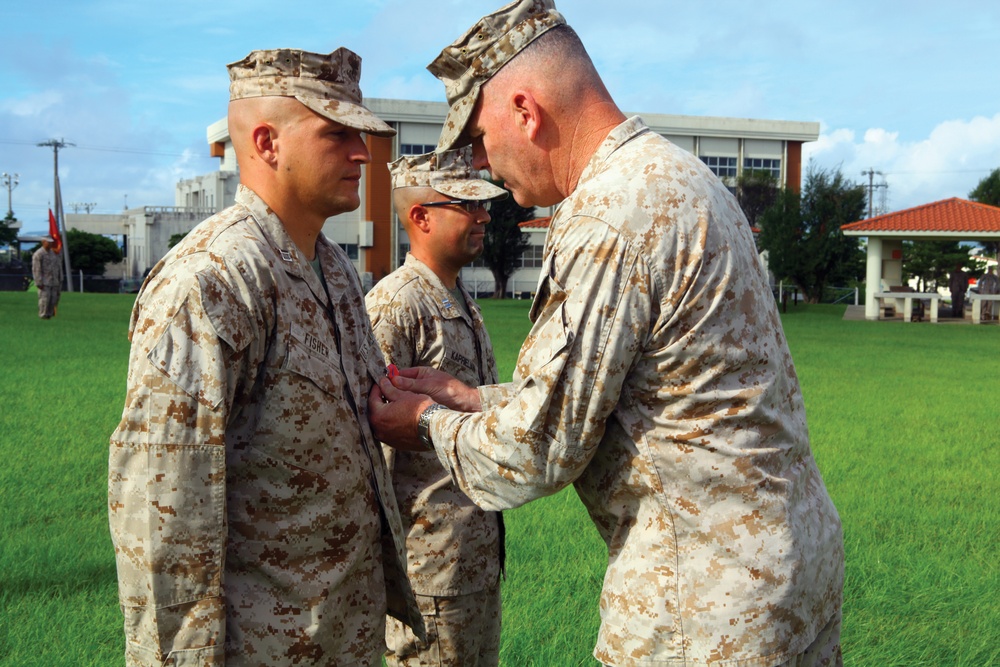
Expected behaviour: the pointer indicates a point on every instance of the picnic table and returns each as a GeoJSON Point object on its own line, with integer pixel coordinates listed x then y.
{"type": "Point", "coordinates": [908, 297]}
{"type": "Point", "coordinates": [974, 298]}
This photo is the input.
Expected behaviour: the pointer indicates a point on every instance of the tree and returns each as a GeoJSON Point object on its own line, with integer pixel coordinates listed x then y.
{"type": "Point", "coordinates": [175, 239]}
{"type": "Point", "coordinates": [505, 242]}
{"type": "Point", "coordinates": [90, 252]}
{"type": "Point", "coordinates": [931, 262]}
{"type": "Point", "coordinates": [756, 191]}
{"type": "Point", "coordinates": [801, 233]}
{"type": "Point", "coordinates": [988, 192]}
{"type": "Point", "coordinates": [8, 233]}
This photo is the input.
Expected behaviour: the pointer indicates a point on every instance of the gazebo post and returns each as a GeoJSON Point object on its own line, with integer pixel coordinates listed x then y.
{"type": "Point", "coordinates": [873, 277]}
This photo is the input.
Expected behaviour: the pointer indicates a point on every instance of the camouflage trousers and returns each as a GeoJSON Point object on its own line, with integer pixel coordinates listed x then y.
{"type": "Point", "coordinates": [462, 631]}
{"type": "Point", "coordinates": [48, 299]}
{"type": "Point", "coordinates": [823, 652]}
{"type": "Point", "coordinates": [825, 649]}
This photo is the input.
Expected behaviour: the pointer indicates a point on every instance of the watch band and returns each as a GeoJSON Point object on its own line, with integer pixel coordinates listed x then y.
{"type": "Point", "coordinates": [424, 424]}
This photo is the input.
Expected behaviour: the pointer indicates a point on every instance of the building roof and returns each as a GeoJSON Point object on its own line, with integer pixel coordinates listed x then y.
{"type": "Point", "coordinates": [393, 110]}
{"type": "Point", "coordinates": [948, 218]}
{"type": "Point", "coordinates": [537, 223]}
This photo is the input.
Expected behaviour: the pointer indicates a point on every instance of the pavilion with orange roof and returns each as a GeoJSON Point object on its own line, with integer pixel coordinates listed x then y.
{"type": "Point", "coordinates": [946, 220]}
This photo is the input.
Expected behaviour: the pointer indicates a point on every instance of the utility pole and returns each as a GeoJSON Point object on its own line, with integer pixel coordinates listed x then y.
{"type": "Point", "coordinates": [56, 144]}
{"type": "Point", "coordinates": [10, 182]}
{"type": "Point", "coordinates": [10, 223]}
{"type": "Point", "coordinates": [871, 187]}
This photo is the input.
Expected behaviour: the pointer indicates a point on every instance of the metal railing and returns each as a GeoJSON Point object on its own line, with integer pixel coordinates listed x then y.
{"type": "Point", "coordinates": [832, 295]}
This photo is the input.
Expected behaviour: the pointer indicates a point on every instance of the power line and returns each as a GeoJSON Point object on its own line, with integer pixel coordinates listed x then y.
{"type": "Point", "coordinates": [109, 149]}
{"type": "Point", "coordinates": [944, 171]}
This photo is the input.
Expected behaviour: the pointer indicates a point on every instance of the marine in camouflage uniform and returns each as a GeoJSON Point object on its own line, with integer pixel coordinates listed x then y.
{"type": "Point", "coordinates": [423, 316]}
{"type": "Point", "coordinates": [46, 271]}
{"type": "Point", "coordinates": [656, 377]}
{"type": "Point", "coordinates": [251, 510]}
{"type": "Point", "coordinates": [988, 284]}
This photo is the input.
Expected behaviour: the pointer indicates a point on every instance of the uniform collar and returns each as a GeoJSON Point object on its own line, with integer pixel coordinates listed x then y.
{"type": "Point", "coordinates": [442, 296]}
{"type": "Point", "coordinates": [290, 258]}
{"type": "Point", "coordinates": [618, 137]}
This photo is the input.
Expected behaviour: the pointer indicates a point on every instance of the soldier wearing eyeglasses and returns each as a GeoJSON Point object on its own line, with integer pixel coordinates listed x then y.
{"type": "Point", "coordinates": [423, 316]}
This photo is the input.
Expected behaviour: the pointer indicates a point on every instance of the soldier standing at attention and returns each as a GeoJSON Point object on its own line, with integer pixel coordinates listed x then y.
{"type": "Point", "coordinates": [251, 511]}
{"type": "Point", "coordinates": [958, 282]}
{"type": "Point", "coordinates": [46, 271]}
{"type": "Point", "coordinates": [988, 284]}
{"type": "Point", "coordinates": [656, 377]}
{"type": "Point", "coordinates": [423, 316]}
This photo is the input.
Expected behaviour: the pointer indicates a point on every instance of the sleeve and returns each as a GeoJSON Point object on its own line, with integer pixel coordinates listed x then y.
{"type": "Point", "coordinates": [36, 268]}
{"type": "Point", "coordinates": [493, 395]}
{"type": "Point", "coordinates": [167, 475]}
{"type": "Point", "coordinates": [395, 329]}
{"type": "Point", "coordinates": [591, 317]}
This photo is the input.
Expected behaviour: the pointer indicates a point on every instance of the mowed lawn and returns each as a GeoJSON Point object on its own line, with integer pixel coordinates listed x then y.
{"type": "Point", "coordinates": [903, 419]}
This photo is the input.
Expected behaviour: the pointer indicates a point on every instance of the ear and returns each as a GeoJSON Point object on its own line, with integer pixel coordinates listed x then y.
{"type": "Point", "coordinates": [265, 143]}
{"type": "Point", "coordinates": [420, 218]}
{"type": "Point", "coordinates": [527, 113]}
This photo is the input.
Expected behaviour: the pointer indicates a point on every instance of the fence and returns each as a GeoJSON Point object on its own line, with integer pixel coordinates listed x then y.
{"type": "Point", "coordinates": [15, 279]}
{"type": "Point", "coordinates": [783, 293]}
{"type": "Point", "coordinates": [12, 280]}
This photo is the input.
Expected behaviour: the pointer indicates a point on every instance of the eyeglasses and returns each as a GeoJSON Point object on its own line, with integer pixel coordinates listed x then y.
{"type": "Point", "coordinates": [470, 205]}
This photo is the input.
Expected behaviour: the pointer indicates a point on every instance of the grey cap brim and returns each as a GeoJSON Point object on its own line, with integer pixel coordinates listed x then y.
{"type": "Point", "coordinates": [476, 190]}
{"type": "Point", "coordinates": [348, 114]}
{"type": "Point", "coordinates": [453, 134]}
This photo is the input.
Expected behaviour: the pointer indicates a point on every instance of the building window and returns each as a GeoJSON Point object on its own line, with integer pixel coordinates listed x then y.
{"type": "Point", "coordinates": [403, 249]}
{"type": "Point", "coordinates": [721, 166]}
{"type": "Point", "coordinates": [532, 257]}
{"type": "Point", "coordinates": [416, 149]}
{"type": "Point", "coordinates": [767, 165]}
{"type": "Point", "coordinates": [351, 249]}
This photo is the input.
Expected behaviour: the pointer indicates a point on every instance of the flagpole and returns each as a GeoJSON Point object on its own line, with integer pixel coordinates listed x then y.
{"type": "Point", "coordinates": [56, 144]}
{"type": "Point", "coordinates": [61, 223]}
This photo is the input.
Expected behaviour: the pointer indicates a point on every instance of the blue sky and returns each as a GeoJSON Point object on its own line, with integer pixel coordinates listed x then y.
{"type": "Point", "coordinates": [909, 89]}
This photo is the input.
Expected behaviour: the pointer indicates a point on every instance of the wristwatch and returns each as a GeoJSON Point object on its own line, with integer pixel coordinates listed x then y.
{"type": "Point", "coordinates": [424, 424]}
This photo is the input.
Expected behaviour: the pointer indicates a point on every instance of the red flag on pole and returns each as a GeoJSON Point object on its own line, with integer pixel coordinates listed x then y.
{"type": "Point", "coordinates": [54, 232]}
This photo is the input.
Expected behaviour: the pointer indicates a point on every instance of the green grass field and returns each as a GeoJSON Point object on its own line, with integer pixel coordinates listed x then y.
{"type": "Point", "coordinates": [903, 419]}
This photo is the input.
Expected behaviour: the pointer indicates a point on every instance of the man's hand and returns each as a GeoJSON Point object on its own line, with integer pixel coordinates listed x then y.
{"type": "Point", "coordinates": [440, 386]}
{"type": "Point", "coordinates": [393, 415]}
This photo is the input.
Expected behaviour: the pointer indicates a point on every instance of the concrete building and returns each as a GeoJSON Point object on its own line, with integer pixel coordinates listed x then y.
{"type": "Point", "coordinates": [374, 238]}
{"type": "Point", "coordinates": [143, 233]}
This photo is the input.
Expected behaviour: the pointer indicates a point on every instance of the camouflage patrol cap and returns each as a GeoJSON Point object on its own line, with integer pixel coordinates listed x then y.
{"type": "Point", "coordinates": [451, 173]}
{"type": "Point", "coordinates": [328, 84]}
{"type": "Point", "coordinates": [477, 55]}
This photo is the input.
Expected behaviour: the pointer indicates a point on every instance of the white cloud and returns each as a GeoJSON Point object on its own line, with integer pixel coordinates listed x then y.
{"type": "Point", "coordinates": [950, 162]}
{"type": "Point", "coordinates": [31, 104]}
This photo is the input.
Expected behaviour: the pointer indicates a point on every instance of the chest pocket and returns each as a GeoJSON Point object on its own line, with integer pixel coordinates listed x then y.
{"type": "Point", "coordinates": [550, 334]}
{"type": "Point", "coordinates": [459, 366]}
{"type": "Point", "coordinates": [304, 420]}
{"type": "Point", "coordinates": [314, 359]}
